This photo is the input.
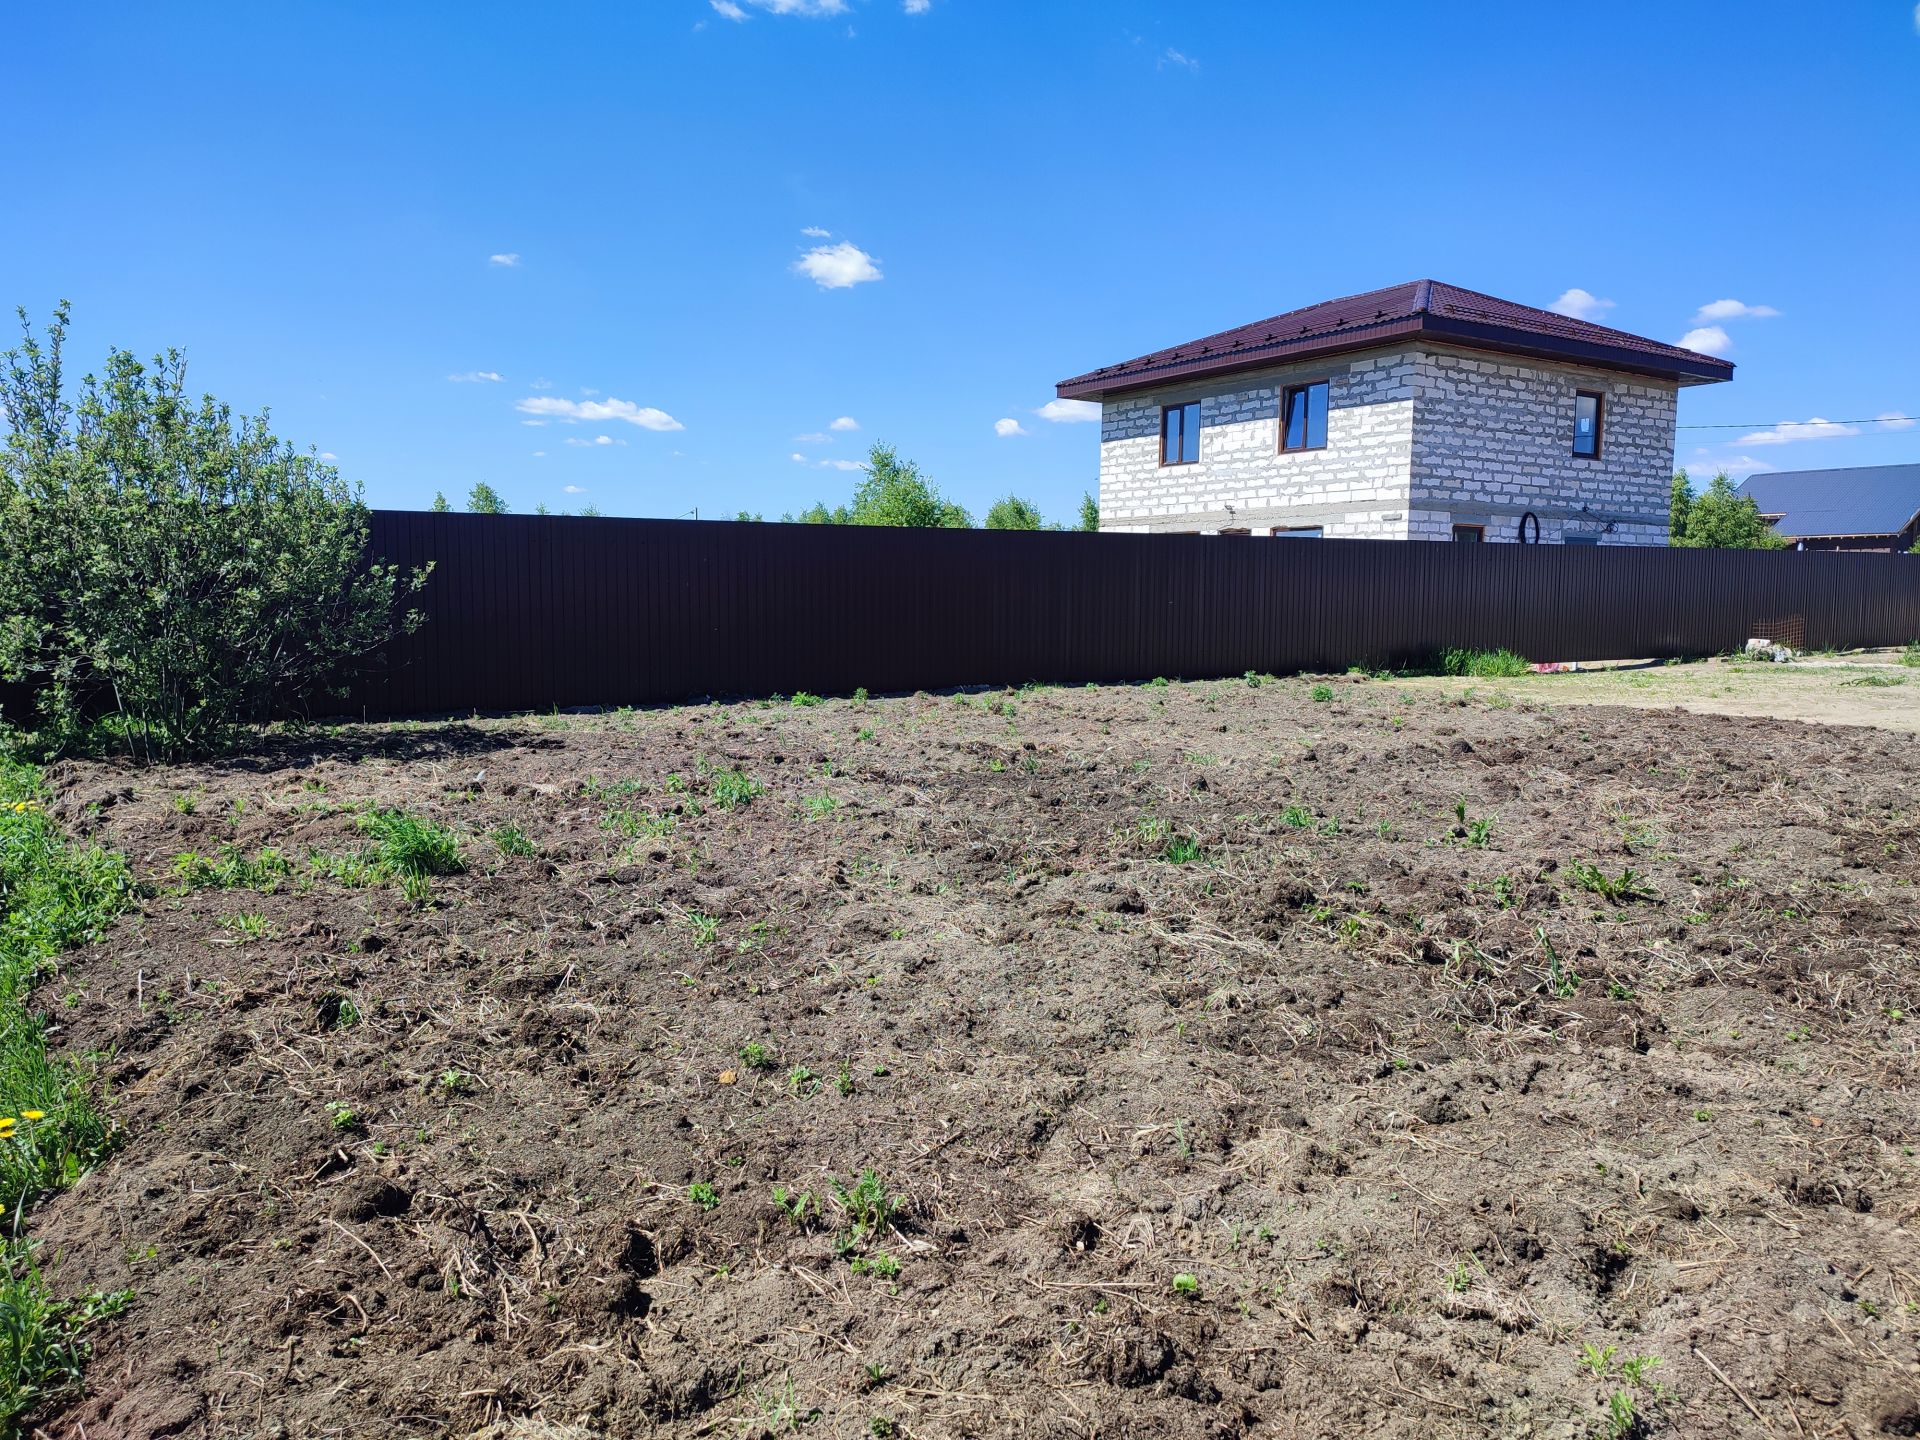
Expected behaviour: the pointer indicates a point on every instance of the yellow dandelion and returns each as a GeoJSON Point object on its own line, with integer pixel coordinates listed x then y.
{"type": "Point", "coordinates": [7, 1122]}
{"type": "Point", "coordinates": [33, 1114]}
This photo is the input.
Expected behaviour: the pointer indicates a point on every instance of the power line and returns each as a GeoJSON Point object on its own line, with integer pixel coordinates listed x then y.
{"type": "Point", "coordinates": [1801, 424]}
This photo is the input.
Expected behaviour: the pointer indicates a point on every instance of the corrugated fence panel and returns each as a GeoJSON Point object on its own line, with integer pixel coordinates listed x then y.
{"type": "Point", "coordinates": [529, 612]}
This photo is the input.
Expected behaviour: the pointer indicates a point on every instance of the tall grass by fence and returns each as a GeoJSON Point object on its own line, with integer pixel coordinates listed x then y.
{"type": "Point", "coordinates": [527, 612]}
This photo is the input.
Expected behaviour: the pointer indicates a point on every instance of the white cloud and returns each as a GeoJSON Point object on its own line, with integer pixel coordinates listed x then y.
{"type": "Point", "coordinates": [814, 232]}
{"type": "Point", "coordinates": [1008, 427]}
{"type": "Point", "coordinates": [573, 489]}
{"type": "Point", "coordinates": [1788, 431]}
{"type": "Point", "coordinates": [845, 422]}
{"type": "Point", "coordinates": [812, 9]}
{"type": "Point", "coordinates": [800, 459]}
{"type": "Point", "coordinates": [329, 455]}
{"type": "Point", "coordinates": [797, 456]}
{"type": "Point", "coordinates": [597, 440]}
{"type": "Point", "coordinates": [1174, 57]}
{"type": "Point", "coordinates": [533, 422]}
{"type": "Point", "coordinates": [1889, 420]}
{"type": "Point", "coordinates": [509, 259]}
{"type": "Point", "coordinates": [813, 437]}
{"type": "Point", "coordinates": [1708, 340]}
{"type": "Point", "coordinates": [477, 377]}
{"type": "Point", "coordinates": [916, 7]}
{"type": "Point", "coordinates": [539, 454]}
{"type": "Point", "coordinates": [1717, 310]}
{"type": "Point", "coordinates": [1578, 304]}
{"type": "Point", "coordinates": [837, 267]}
{"type": "Point", "coordinates": [1068, 412]}
{"type": "Point", "coordinates": [542, 383]}
{"type": "Point", "coordinates": [645, 416]}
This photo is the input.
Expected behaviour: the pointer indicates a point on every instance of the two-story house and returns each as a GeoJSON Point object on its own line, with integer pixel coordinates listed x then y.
{"type": "Point", "coordinates": [1419, 412]}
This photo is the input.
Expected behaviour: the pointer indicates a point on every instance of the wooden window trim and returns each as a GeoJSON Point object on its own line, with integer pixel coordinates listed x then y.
{"type": "Point", "coordinates": [1286, 398]}
{"type": "Point", "coordinates": [1165, 463]}
{"type": "Point", "coordinates": [1599, 398]}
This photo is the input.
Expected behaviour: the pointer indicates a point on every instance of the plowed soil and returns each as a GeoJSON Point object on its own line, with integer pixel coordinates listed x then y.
{"type": "Point", "coordinates": [1234, 1062]}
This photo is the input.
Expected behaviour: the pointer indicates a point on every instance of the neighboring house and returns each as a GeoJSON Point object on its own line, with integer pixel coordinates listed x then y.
{"type": "Point", "coordinates": [1867, 507]}
{"type": "Point", "coordinates": [1419, 412]}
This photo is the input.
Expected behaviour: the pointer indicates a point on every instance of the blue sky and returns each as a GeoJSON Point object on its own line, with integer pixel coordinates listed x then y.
{"type": "Point", "coordinates": [708, 230]}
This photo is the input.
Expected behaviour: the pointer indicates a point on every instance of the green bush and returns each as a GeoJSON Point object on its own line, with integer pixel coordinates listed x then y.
{"type": "Point", "coordinates": [170, 570]}
{"type": "Point", "coordinates": [1484, 664]}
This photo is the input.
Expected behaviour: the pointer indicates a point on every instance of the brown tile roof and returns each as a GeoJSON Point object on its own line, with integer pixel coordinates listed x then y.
{"type": "Point", "coordinates": [1417, 310]}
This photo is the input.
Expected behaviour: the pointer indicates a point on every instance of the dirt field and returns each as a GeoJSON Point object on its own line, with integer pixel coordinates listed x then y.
{"type": "Point", "coordinates": [1862, 688]}
{"type": "Point", "coordinates": [1227, 1060]}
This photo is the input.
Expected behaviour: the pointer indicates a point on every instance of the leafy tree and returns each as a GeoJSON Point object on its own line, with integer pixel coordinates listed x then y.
{"type": "Point", "coordinates": [1013, 513]}
{"type": "Point", "coordinates": [1720, 518]}
{"type": "Point", "coordinates": [589, 512]}
{"type": "Point", "coordinates": [168, 567]}
{"type": "Point", "coordinates": [893, 492]}
{"type": "Point", "coordinates": [745, 518]}
{"type": "Point", "coordinates": [1679, 508]}
{"type": "Point", "coordinates": [541, 509]}
{"type": "Point", "coordinates": [440, 505]}
{"type": "Point", "coordinates": [818, 514]}
{"type": "Point", "coordinates": [483, 499]}
{"type": "Point", "coordinates": [1089, 513]}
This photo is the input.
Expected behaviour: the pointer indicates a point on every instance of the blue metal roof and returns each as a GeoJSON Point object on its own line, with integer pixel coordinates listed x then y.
{"type": "Point", "coordinates": [1863, 500]}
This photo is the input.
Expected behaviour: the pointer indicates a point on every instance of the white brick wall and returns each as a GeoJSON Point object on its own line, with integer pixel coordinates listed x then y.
{"type": "Point", "coordinates": [1242, 478]}
{"type": "Point", "coordinates": [1493, 439]}
{"type": "Point", "coordinates": [1418, 440]}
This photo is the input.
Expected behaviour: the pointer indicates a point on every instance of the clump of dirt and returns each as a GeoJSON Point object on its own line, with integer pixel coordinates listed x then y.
{"type": "Point", "coordinates": [1184, 1060]}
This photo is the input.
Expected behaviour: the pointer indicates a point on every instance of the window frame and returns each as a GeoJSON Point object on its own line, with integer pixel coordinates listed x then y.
{"type": "Point", "coordinates": [1182, 407]}
{"type": "Point", "coordinates": [1287, 392]}
{"type": "Point", "coordinates": [1479, 534]}
{"type": "Point", "coordinates": [1599, 398]}
{"type": "Point", "coordinates": [1304, 532]}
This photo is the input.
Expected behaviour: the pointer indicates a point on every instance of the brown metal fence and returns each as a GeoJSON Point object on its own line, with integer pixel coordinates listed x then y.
{"type": "Point", "coordinates": [530, 612]}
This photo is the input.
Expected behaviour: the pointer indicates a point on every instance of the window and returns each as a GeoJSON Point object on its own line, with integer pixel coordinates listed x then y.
{"type": "Point", "coordinates": [1233, 532]}
{"type": "Point", "coordinates": [1471, 534]}
{"type": "Point", "coordinates": [1588, 539]}
{"type": "Point", "coordinates": [1303, 417]}
{"type": "Point", "coordinates": [1180, 434]}
{"type": "Point", "coordinates": [1587, 405]}
{"type": "Point", "coordinates": [1297, 532]}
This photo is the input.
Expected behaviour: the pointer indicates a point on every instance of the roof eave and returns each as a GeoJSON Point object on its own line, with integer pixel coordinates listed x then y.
{"type": "Point", "coordinates": [1686, 369]}
{"type": "Point", "coordinates": [1098, 384]}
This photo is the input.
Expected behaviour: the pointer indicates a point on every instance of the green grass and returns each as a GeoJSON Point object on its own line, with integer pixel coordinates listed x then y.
{"type": "Point", "coordinates": [230, 868]}
{"type": "Point", "coordinates": [54, 895]}
{"type": "Point", "coordinates": [409, 845]}
{"type": "Point", "coordinates": [728, 788]}
{"type": "Point", "coordinates": [42, 1352]}
{"type": "Point", "coordinates": [1629, 884]}
{"type": "Point", "coordinates": [411, 850]}
{"type": "Point", "coordinates": [1484, 664]}
{"type": "Point", "coordinates": [512, 841]}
